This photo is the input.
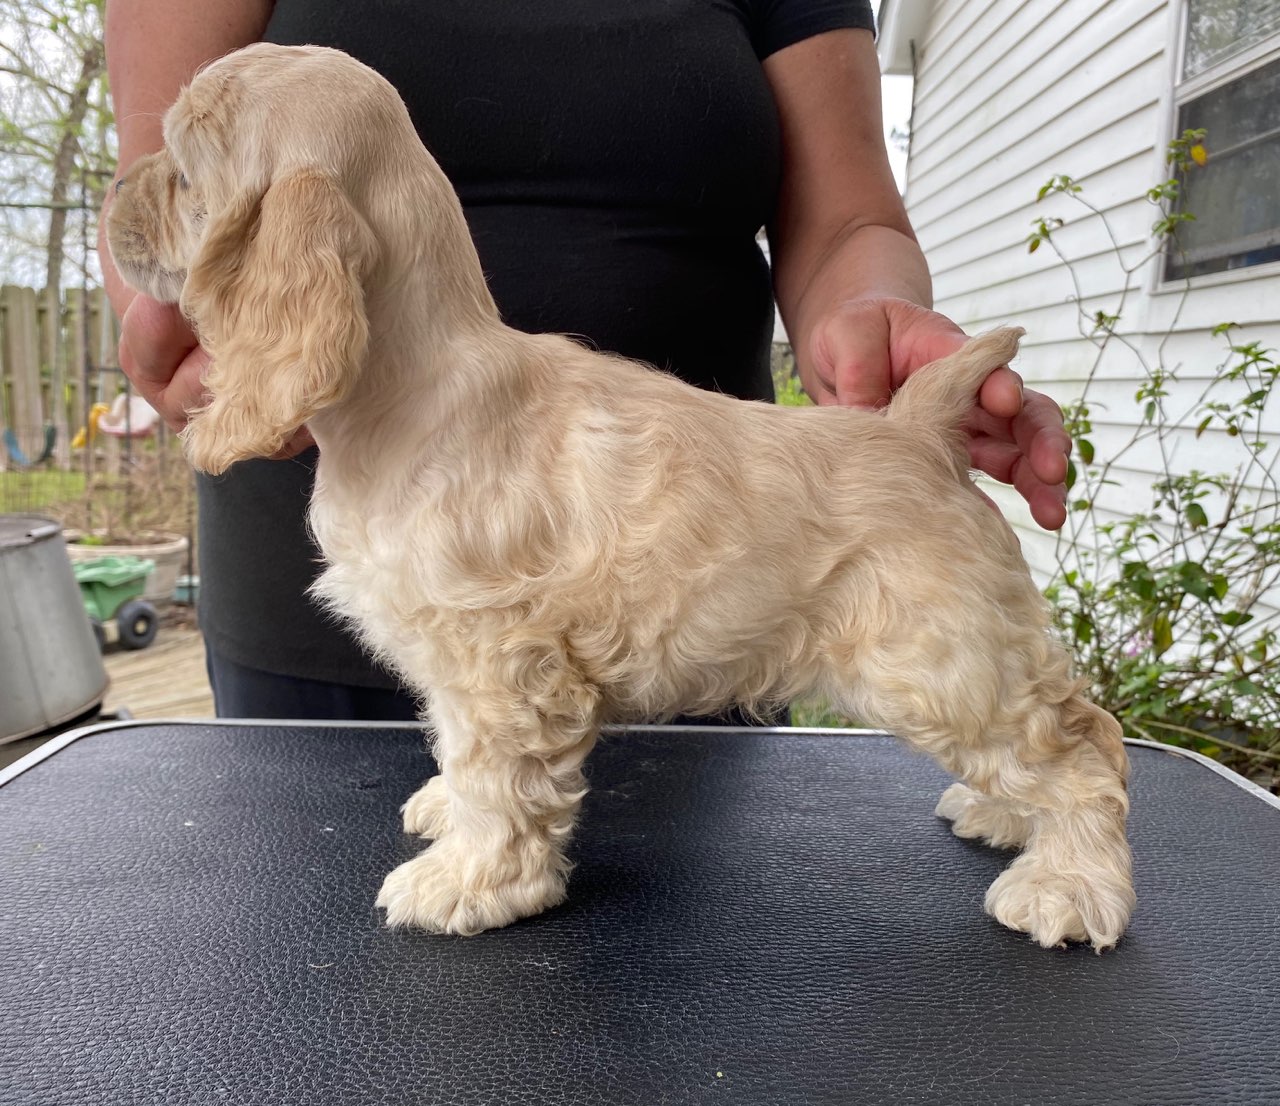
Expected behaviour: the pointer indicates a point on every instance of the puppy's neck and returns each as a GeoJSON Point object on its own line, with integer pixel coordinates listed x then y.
{"type": "Point", "coordinates": [441, 367]}
{"type": "Point", "coordinates": [438, 354]}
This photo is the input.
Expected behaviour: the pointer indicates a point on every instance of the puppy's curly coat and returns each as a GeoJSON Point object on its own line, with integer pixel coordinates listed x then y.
{"type": "Point", "coordinates": [540, 538]}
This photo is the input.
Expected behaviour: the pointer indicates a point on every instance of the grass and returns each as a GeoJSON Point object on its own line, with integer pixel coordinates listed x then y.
{"type": "Point", "coordinates": [28, 491]}
{"type": "Point", "coordinates": [817, 714]}
{"type": "Point", "coordinates": [148, 489]}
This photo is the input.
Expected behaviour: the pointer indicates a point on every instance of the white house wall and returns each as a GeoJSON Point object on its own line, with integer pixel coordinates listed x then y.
{"type": "Point", "coordinates": [1008, 94]}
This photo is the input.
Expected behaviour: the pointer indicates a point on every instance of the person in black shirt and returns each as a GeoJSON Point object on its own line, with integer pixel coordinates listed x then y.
{"type": "Point", "coordinates": [615, 162]}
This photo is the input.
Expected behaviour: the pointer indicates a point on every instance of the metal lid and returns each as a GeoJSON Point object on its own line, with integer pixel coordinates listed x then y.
{"type": "Point", "coordinates": [20, 530]}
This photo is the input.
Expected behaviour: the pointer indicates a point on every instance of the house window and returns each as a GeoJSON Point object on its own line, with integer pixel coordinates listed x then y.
{"type": "Point", "coordinates": [1230, 86]}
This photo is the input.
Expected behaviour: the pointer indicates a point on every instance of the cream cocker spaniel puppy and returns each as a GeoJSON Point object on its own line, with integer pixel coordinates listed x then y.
{"type": "Point", "coordinates": [539, 538]}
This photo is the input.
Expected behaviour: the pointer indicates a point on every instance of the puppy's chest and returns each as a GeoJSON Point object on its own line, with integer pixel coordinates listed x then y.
{"type": "Point", "coordinates": [381, 569]}
{"type": "Point", "coordinates": [367, 556]}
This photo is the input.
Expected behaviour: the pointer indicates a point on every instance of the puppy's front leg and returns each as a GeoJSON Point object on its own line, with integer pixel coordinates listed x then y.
{"type": "Point", "coordinates": [501, 811]}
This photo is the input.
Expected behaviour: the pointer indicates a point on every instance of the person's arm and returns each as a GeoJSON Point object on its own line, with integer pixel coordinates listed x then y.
{"type": "Point", "coordinates": [851, 282]}
{"type": "Point", "coordinates": [154, 48]}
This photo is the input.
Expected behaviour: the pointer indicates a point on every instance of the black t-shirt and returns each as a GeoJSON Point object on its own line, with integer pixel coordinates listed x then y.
{"type": "Point", "coordinates": [615, 159]}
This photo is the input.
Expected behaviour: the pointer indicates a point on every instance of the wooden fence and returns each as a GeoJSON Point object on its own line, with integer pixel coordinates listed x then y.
{"type": "Point", "coordinates": [58, 357]}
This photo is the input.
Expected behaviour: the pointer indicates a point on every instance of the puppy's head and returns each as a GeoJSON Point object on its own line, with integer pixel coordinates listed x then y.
{"type": "Point", "coordinates": [251, 218]}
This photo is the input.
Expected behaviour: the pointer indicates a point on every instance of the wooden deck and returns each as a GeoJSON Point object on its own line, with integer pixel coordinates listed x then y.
{"type": "Point", "coordinates": [165, 680]}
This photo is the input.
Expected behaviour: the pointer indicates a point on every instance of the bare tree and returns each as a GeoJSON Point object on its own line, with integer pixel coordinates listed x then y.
{"type": "Point", "coordinates": [56, 136]}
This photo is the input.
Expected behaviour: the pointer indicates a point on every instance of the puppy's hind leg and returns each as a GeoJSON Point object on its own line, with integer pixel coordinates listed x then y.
{"type": "Point", "coordinates": [501, 811]}
{"type": "Point", "coordinates": [1074, 881]}
{"type": "Point", "coordinates": [1040, 768]}
{"type": "Point", "coordinates": [982, 817]}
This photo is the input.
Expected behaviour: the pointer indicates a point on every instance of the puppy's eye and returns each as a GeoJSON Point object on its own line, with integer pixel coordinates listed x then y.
{"type": "Point", "coordinates": [183, 183]}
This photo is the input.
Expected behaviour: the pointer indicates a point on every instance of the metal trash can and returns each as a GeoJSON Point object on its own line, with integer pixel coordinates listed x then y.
{"type": "Point", "coordinates": [50, 667]}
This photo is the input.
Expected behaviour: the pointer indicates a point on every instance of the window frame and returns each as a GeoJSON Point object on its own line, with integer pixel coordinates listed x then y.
{"type": "Point", "coordinates": [1179, 92]}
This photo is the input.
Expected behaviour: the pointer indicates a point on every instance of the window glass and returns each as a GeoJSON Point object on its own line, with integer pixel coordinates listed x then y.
{"type": "Point", "coordinates": [1220, 29]}
{"type": "Point", "coordinates": [1236, 196]}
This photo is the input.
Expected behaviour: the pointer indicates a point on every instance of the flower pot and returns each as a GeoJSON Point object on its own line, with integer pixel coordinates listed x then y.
{"type": "Point", "coordinates": [168, 551]}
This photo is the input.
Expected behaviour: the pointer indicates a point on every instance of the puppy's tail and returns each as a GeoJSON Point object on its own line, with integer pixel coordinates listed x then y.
{"type": "Point", "coordinates": [940, 395]}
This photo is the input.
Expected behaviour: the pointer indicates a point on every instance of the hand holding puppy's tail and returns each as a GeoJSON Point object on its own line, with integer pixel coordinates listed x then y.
{"type": "Point", "coordinates": [941, 395]}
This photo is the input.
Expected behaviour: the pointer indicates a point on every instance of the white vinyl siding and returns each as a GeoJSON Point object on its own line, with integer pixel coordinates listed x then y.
{"type": "Point", "coordinates": [1010, 93]}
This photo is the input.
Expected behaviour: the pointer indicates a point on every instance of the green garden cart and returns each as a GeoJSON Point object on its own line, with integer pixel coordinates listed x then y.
{"type": "Point", "coordinates": [110, 588]}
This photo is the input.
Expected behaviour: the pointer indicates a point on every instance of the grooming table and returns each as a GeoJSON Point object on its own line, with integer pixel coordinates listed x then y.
{"type": "Point", "coordinates": [186, 917]}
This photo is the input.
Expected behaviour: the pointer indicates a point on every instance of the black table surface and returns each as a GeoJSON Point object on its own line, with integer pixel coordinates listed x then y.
{"type": "Point", "coordinates": [186, 916]}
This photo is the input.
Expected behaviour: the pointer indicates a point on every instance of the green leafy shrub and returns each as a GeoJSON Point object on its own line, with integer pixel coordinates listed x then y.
{"type": "Point", "coordinates": [786, 382]}
{"type": "Point", "coordinates": [1167, 607]}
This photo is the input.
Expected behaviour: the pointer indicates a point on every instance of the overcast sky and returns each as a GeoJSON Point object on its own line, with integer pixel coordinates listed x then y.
{"type": "Point", "coordinates": [896, 92]}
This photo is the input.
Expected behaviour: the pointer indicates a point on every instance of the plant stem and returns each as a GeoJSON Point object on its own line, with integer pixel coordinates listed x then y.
{"type": "Point", "coordinates": [1209, 739]}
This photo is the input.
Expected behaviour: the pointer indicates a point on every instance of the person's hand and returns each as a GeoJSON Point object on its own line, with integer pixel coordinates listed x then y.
{"type": "Point", "coordinates": [161, 355]}
{"type": "Point", "coordinates": [864, 351]}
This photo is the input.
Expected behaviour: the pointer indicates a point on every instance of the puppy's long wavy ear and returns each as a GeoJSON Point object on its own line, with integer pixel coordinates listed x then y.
{"type": "Point", "coordinates": [277, 296]}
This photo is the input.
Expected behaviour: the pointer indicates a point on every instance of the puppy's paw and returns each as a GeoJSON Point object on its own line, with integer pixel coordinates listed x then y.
{"type": "Point", "coordinates": [449, 889]}
{"type": "Point", "coordinates": [1054, 908]}
{"type": "Point", "coordinates": [975, 815]}
{"type": "Point", "coordinates": [427, 811]}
